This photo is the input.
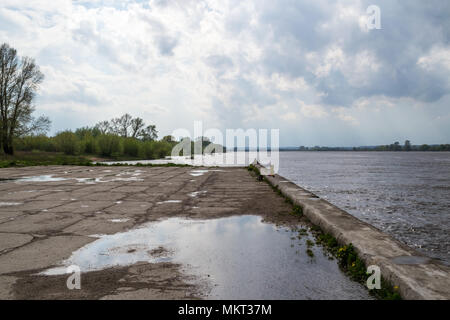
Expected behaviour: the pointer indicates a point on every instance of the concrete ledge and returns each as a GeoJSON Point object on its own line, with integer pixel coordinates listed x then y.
{"type": "Point", "coordinates": [417, 276]}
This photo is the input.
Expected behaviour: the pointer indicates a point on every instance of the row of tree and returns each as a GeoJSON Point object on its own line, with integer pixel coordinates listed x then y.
{"type": "Point", "coordinates": [20, 78]}
{"type": "Point", "coordinates": [396, 146]}
{"type": "Point", "coordinates": [127, 126]}
{"type": "Point", "coordinates": [120, 137]}
{"type": "Point", "coordinates": [89, 142]}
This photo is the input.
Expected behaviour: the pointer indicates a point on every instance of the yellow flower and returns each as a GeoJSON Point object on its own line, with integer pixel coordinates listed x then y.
{"type": "Point", "coordinates": [396, 288]}
{"type": "Point", "coordinates": [353, 264]}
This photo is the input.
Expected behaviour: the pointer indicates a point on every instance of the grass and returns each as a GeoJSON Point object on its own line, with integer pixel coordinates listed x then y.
{"type": "Point", "coordinates": [346, 255]}
{"type": "Point", "coordinates": [309, 243]}
{"type": "Point", "coordinates": [310, 253]}
{"type": "Point", "coordinates": [29, 159]}
{"type": "Point", "coordinates": [354, 267]}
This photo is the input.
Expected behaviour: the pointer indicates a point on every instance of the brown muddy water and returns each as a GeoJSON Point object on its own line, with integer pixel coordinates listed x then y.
{"type": "Point", "coordinates": [240, 257]}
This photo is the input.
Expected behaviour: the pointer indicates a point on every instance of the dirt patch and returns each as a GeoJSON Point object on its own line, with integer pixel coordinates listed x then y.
{"type": "Point", "coordinates": [164, 279]}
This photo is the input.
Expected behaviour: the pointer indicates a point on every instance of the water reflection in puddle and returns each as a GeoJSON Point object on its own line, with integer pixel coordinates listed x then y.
{"type": "Point", "coordinates": [169, 201]}
{"type": "Point", "coordinates": [198, 173]}
{"type": "Point", "coordinates": [9, 204]}
{"type": "Point", "coordinates": [241, 257]}
{"type": "Point", "coordinates": [51, 178]}
{"type": "Point", "coordinates": [44, 178]}
{"type": "Point", "coordinates": [119, 220]}
{"type": "Point", "coordinates": [196, 193]}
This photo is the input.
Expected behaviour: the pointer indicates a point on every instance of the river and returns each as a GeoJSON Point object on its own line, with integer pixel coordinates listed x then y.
{"type": "Point", "coordinates": [406, 194]}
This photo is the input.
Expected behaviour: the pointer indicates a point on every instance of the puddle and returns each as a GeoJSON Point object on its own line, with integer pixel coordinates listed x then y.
{"type": "Point", "coordinates": [88, 180]}
{"type": "Point", "coordinates": [119, 220]}
{"type": "Point", "coordinates": [240, 257]}
{"type": "Point", "coordinates": [44, 178]}
{"type": "Point", "coordinates": [134, 173]}
{"type": "Point", "coordinates": [198, 173]}
{"type": "Point", "coordinates": [196, 193]}
{"type": "Point", "coordinates": [412, 260]}
{"type": "Point", "coordinates": [23, 191]}
{"type": "Point", "coordinates": [51, 178]}
{"type": "Point", "coordinates": [169, 201]}
{"type": "Point", "coordinates": [8, 204]}
{"type": "Point", "coordinates": [124, 179]}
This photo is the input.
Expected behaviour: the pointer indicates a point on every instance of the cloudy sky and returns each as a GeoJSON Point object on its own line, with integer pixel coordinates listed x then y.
{"type": "Point", "coordinates": [309, 68]}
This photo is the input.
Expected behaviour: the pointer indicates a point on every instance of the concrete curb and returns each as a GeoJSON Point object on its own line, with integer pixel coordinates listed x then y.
{"type": "Point", "coordinates": [417, 276]}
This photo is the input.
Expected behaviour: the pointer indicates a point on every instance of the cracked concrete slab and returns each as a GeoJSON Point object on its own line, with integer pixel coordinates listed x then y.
{"type": "Point", "coordinates": [62, 214]}
{"type": "Point", "coordinates": [13, 240]}
{"type": "Point", "coordinates": [37, 223]}
{"type": "Point", "coordinates": [41, 253]}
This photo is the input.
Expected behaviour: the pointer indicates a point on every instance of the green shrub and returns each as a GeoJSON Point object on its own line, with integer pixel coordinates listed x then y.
{"type": "Point", "coordinates": [131, 147]}
{"type": "Point", "coordinates": [29, 143]}
{"type": "Point", "coordinates": [67, 142]}
{"type": "Point", "coordinates": [109, 145]}
{"type": "Point", "coordinates": [156, 149]}
{"type": "Point", "coordinates": [147, 151]}
{"type": "Point", "coordinates": [88, 145]}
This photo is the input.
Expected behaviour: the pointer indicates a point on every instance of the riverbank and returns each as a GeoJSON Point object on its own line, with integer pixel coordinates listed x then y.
{"type": "Point", "coordinates": [23, 159]}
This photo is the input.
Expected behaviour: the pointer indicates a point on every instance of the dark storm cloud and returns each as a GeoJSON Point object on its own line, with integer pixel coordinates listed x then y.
{"type": "Point", "coordinates": [410, 29]}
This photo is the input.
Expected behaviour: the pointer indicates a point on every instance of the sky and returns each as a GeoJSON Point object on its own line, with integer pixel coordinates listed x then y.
{"type": "Point", "coordinates": [312, 69]}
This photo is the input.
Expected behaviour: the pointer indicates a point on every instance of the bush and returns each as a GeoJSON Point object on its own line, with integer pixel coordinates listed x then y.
{"type": "Point", "coordinates": [41, 142]}
{"type": "Point", "coordinates": [148, 150]}
{"type": "Point", "coordinates": [109, 145]}
{"type": "Point", "coordinates": [88, 145]}
{"type": "Point", "coordinates": [67, 142]}
{"type": "Point", "coordinates": [131, 147]}
{"type": "Point", "coordinates": [162, 149]}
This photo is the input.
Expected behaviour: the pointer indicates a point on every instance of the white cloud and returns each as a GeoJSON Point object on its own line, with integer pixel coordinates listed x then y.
{"type": "Point", "coordinates": [436, 59]}
{"type": "Point", "coordinates": [312, 111]}
{"type": "Point", "coordinates": [344, 115]}
{"type": "Point", "coordinates": [228, 62]}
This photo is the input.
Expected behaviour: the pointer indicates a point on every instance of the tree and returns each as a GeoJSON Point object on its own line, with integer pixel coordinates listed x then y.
{"type": "Point", "coordinates": [137, 124]}
{"type": "Point", "coordinates": [168, 139]}
{"type": "Point", "coordinates": [149, 133]}
{"type": "Point", "coordinates": [128, 127]}
{"type": "Point", "coordinates": [104, 127]}
{"type": "Point", "coordinates": [19, 81]}
{"type": "Point", "coordinates": [120, 126]}
{"type": "Point", "coordinates": [407, 146]}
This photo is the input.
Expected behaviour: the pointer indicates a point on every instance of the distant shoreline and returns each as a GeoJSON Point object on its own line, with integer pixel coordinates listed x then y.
{"type": "Point", "coordinates": [358, 150]}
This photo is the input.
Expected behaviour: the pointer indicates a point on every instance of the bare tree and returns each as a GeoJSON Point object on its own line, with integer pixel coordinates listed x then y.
{"type": "Point", "coordinates": [137, 124]}
{"type": "Point", "coordinates": [121, 126]}
{"type": "Point", "coordinates": [19, 81]}
{"type": "Point", "coordinates": [149, 133]}
{"type": "Point", "coordinates": [127, 126]}
{"type": "Point", "coordinates": [124, 125]}
{"type": "Point", "coordinates": [104, 127]}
